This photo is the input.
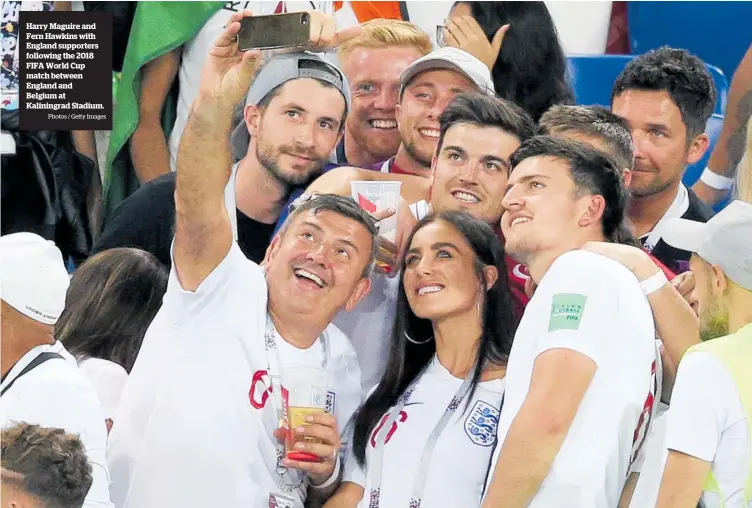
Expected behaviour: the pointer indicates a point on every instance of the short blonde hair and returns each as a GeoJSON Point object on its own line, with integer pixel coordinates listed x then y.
{"type": "Point", "coordinates": [743, 185]}
{"type": "Point", "coordinates": [384, 33]}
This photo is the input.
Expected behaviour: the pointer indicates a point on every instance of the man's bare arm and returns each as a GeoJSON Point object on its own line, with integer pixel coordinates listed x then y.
{"type": "Point", "coordinates": [347, 496]}
{"type": "Point", "coordinates": [628, 491]}
{"type": "Point", "coordinates": [683, 480]}
{"type": "Point", "coordinates": [730, 147]}
{"type": "Point", "coordinates": [675, 322]}
{"type": "Point", "coordinates": [148, 144]}
{"type": "Point", "coordinates": [560, 380]}
{"type": "Point", "coordinates": [203, 234]}
{"type": "Point", "coordinates": [337, 181]}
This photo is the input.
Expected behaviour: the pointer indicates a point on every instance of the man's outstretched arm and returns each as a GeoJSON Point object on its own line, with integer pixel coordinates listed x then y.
{"type": "Point", "coordinates": [203, 234]}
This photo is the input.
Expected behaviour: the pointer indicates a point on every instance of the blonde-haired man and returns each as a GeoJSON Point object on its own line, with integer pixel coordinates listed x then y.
{"type": "Point", "coordinates": [372, 63]}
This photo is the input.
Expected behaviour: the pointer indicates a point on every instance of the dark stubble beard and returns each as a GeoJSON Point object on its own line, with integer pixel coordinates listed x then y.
{"type": "Point", "coordinates": [417, 157]}
{"type": "Point", "coordinates": [269, 156]}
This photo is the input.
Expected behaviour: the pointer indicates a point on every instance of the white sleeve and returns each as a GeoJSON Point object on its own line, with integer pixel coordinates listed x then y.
{"type": "Point", "coordinates": [352, 471]}
{"type": "Point", "coordinates": [581, 303]}
{"type": "Point", "coordinates": [703, 396]}
{"type": "Point", "coordinates": [235, 273]}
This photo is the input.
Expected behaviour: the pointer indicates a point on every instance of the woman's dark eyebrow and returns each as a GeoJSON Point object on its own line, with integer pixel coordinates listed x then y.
{"type": "Point", "coordinates": [435, 246]}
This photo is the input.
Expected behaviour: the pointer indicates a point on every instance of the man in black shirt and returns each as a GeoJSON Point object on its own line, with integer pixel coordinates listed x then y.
{"type": "Point", "coordinates": [666, 97]}
{"type": "Point", "coordinates": [293, 118]}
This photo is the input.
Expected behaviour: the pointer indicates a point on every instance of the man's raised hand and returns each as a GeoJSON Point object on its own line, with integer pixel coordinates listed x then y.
{"type": "Point", "coordinates": [228, 72]}
{"type": "Point", "coordinates": [324, 34]}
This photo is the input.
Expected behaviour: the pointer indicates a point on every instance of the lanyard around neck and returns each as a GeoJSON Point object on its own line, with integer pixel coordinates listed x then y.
{"type": "Point", "coordinates": [376, 466]}
{"type": "Point", "coordinates": [274, 371]}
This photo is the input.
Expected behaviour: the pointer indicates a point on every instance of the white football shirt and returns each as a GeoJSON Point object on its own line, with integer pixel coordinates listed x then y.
{"type": "Point", "coordinates": [707, 421]}
{"type": "Point", "coordinates": [460, 461]}
{"type": "Point", "coordinates": [593, 305]}
{"type": "Point", "coordinates": [195, 421]}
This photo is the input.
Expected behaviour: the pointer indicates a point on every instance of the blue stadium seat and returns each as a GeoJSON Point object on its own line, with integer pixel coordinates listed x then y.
{"type": "Point", "coordinates": [714, 31]}
{"type": "Point", "coordinates": [593, 76]}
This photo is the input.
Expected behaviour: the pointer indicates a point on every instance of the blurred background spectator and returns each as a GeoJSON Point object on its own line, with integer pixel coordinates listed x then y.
{"type": "Point", "coordinates": [110, 303]}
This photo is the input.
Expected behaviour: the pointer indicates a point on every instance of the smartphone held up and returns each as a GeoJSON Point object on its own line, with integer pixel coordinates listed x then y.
{"type": "Point", "coordinates": [274, 31]}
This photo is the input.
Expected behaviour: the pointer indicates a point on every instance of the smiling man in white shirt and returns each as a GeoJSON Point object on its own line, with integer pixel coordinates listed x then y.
{"type": "Point", "coordinates": [581, 373]}
{"type": "Point", "coordinates": [198, 419]}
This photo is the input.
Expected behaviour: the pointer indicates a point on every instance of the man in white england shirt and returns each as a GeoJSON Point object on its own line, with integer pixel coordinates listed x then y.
{"type": "Point", "coordinates": [580, 374]}
{"type": "Point", "coordinates": [709, 429]}
{"type": "Point", "coordinates": [198, 420]}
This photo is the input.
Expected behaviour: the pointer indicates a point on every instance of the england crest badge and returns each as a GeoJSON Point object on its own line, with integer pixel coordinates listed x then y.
{"type": "Point", "coordinates": [481, 424]}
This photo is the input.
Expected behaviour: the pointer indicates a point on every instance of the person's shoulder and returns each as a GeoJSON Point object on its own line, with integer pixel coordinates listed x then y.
{"type": "Point", "coordinates": [339, 342]}
{"type": "Point", "coordinates": [591, 270]}
{"type": "Point", "coordinates": [586, 264]}
{"type": "Point", "coordinates": [98, 368]}
{"type": "Point", "coordinates": [59, 383]}
{"type": "Point", "coordinates": [342, 352]}
{"type": "Point", "coordinates": [698, 210]}
{"type": "Point", "coordinates": [151, 201]}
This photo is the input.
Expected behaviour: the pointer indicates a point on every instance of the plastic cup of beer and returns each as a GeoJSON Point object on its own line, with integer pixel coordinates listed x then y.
{"type": "Point", "coordinates": [377, 196]}
{"type": "Point", "coordinates": [305, 390]}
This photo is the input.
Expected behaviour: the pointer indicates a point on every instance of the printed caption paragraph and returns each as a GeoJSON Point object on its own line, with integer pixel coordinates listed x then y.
{"type": "Point", "coordinates": [65, 70]}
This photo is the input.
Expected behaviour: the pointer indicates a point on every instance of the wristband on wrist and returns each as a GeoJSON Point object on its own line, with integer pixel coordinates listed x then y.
{"type": "Point", "coordinates": [716, 181]}
{"type": "Point", "coordinates": [333, 478]}
{"type": "Point", "coordinates": [653, 283]}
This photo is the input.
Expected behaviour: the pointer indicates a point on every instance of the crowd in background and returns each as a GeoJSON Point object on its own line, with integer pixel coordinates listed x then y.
{"type": "Point", "coordinates": [556, 321]}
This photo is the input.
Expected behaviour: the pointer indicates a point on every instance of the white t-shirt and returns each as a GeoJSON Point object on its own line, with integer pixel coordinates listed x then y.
{"type": "Point", "coordinates": [460, 461]}
{"type": "Point", "coordinates": [369, 325]}
{"type": "Point", "coordinates": [195, 422]}
{"type": "Point", "coordinates": [108, 379]}
{"type": "Point", "coordinates": [593, 305]}
{"type": "Point", "coordinates": [707, 421]}
{"type": "Point", "coordinates": [57, 394]}
{"type": "Point", "coordinates": [197, 49]}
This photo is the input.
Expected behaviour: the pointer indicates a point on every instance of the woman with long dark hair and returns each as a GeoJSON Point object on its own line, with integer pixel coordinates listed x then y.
{"type": "Point", "coordinates": [519, 43]}
{"type": "Point", "coordinates": [110, 303]}
{"type": "Point", "coordinates": [426, 434]}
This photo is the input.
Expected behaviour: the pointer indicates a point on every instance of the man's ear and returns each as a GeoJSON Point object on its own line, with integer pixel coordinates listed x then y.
{"type": "Point", "coordinates": [272, 249]}
{"type": "Point", "coordinates": [397, 113]}
{"type": "Point", "coordinates": [720, 283]}
{"type": "Point", "coordinates": [252, 117]}
{"type": "Point", "coordinates": [596, 205]}
{"type": "Point", "coordinates": [697, 148]}
{"type": "Point", "coordinates": [491, 274]}
{"type": "Point", "coordinates": [360, 292]}
{"type": "Point", "coordinates": [626, 177]}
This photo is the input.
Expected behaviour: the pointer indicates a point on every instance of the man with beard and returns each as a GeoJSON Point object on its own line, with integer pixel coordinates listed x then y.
{"type": "Point", "coordinates": [666, 97]}
{"type": "Point", "coordinates": [710, 420]}
{"type": "Point", "coordinates": [427, 87]}
{"type": "Point", "coordinates": [293, 118]}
